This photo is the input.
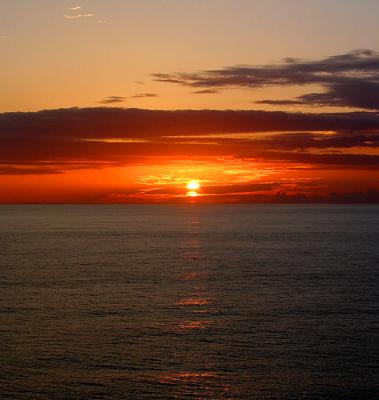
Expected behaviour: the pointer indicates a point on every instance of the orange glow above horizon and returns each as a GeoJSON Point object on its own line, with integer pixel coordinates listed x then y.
{"type": "Point", "coordinates": [225, 179]}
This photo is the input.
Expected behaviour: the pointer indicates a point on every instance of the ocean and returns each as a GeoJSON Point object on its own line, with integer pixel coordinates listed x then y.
{"type": "Point", "coordinates": [189, 302]}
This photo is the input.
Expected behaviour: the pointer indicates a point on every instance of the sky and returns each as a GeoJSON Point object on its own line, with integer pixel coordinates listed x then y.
{"type": "Point", "coordinates": [118, 101]}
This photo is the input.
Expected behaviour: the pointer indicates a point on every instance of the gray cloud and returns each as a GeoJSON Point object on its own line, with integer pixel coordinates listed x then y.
{"type": "Point", "coordinates": [113, 99]}
{"type": "Point", "coordinates": [122, 99]}
{"type": "Point", "coordinates": [205, 91]}
{"type": "Point", "coordinates": [350, 80]}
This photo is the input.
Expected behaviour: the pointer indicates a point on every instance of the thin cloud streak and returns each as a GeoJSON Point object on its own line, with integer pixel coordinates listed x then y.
{"type": "Point", "coordinates": [78, 16]}
{"type": "Point", "coordinates": [122, 99]}
{"type": "Point", "coordinates": [143, 95]}
{"type": "Point", "coordinates": [113, 99]}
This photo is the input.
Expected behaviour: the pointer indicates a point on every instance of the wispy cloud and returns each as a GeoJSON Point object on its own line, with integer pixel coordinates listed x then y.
{"type": "Point", "coordinates": [142, 95]}
{"type": "Point", "coordinates": [78, 16]}
{"type": "Point", "coordinates": [113, 99]}
{"type": "Point", "coordinates": [121, 99]}
{"type": "Point", "coordinates": [75, 13]}
{"type": "Point", "coordinates": [205, 91]}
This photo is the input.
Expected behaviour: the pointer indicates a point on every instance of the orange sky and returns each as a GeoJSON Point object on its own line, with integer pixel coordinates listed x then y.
{"type": "Point", "coordinates": [256, 101]}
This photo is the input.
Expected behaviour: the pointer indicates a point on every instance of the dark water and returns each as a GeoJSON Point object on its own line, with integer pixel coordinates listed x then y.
{"type": "Point", "coordinates": [189, 302]}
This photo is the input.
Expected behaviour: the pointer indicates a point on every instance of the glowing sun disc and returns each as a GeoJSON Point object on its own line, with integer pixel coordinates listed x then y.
{"type": "Point", "coordinates": [193, 185]}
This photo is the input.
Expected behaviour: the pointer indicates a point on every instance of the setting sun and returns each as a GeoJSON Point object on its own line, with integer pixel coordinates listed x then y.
{"type": "Point", "coordinates": [193, 185]}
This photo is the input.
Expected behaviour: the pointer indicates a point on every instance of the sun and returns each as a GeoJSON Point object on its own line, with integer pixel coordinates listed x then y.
{"type": "Point", "coordinates": [193, 185]}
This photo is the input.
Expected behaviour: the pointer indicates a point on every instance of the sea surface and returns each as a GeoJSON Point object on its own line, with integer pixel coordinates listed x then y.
{"type": "Point", "coordinates": [189, 302]}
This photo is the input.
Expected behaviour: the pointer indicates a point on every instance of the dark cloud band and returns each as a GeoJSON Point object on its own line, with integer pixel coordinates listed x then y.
{"type": "Point", "coordinates": [59, 140]}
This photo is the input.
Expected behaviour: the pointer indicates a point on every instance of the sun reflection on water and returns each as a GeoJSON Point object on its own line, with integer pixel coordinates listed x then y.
{"type": "Point", "coordinates": [192, 193]}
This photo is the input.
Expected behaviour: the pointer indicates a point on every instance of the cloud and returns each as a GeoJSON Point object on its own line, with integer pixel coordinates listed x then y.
{"type": "Point", "coordinates": [143, 95]}
{"type": "Point", "coordinates": [78, 16]}
{"type": "Point", "coordinates": [65, 139]}
{"type": "Point", "coordinates": [113, 99]}
{"type": "Point", "coordinates": [314, 140]}
{"type": "Point", "coordinates": [348, 80]}
{"type": "Point", "coordinates": [121, 99]}
{"type": "Point", "coordinates": [205, 91]}
{"type": "Point", "coordinates": [354, 93]}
